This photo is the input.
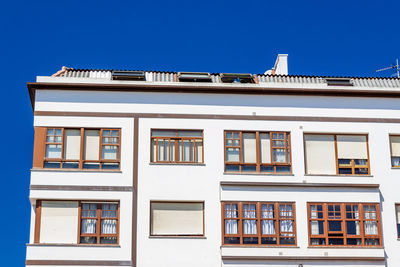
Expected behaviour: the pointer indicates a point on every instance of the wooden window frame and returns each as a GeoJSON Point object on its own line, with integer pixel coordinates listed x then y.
{"type": "Point", "coordinates": [343, 219]}
{"type": "Point", "coordinates": [82, 161]}
{"type": "Point", "coordinates": [277, 219]}
{"type": "Point", "coordinates": [391, 157]}
{"type": "Point", "coordinates": [352, 164]}
{"type": "Point", "coordinates": [258, 164]}
{"type": "Point", "coordinates": [177, 139]}
{"type": "Point", "coordinates": [397, 205]}
{"type": "Point", "coordinates": [98, 219]}
{"type": "Point", "coordinates": [177, 202]}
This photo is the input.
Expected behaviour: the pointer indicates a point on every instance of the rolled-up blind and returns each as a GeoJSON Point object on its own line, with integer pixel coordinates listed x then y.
{"type": "Point", "coordinates": [72, 144]}
{"type": "Point", "coordinates": [320, 154]}
{"type": "Point", "coordinates": [265, 148]}
{"type": "Point", "coordinates": [352, 146]}
{"type": "Point", "coordinates": [92, 144]}
{"type": "Point", "coordinates": [398, 213]}
{"type": "Point", "coordinates": [59, 222]}
{"type": "Point", "coordinates": [249, 148]}
{"type": "Point", "coordinates": [177, 218]}
{"type": "Point", "coordinates": [395, 146]}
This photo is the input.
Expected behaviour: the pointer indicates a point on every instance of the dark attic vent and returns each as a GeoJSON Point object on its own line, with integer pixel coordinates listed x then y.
{"type": "Point", "coordinates": [236, 78]}
{"type": "Point", "coordinates": [128, 75]}
{"type": "Point", "coordinates": [339, 81]}
{"type": "Point", "coordinates": [194, 77]}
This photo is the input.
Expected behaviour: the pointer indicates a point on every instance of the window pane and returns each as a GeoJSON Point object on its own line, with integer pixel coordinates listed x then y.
{"type": "Point", "coordinates": [92, 145]}
{"type": "Point", "coordinates": [352, 146]}
{"type": "Point", "coordinates": [109, 152]}
{"type": "Point", "coordinates": [199, 149]}
{"type": "Point", "coordinates": [232, 155]}
{"type": "Point", "coordinates": [231, 227]}
{"type": "Point", "coordinates": [335, 226]}
{"type": "Point", "coordinates": [108, 240]}
{"type": "Point", "coordinates": [317, 227]}
{"type": "Point", "coordinates": [163, 133]}
{"type": "Point", "coordinates": [371, 227]}
{"type": "Point", "coordinates": [395, 146]}
{"type": "Point", "coordinates": [108, 226]}
{"type": "Point", "coordinates": [353, 227]}
{"type": "Point", "coordinates": [88, 226]}
{"type": "Point", "coordinates": [278, 155]}
{"type": "Point", "coordinates": [190, 133]}
{"type": "Point", "coordinates": [320, 154]}
{"type": "Point", "coordinates": [53, 151]}
{"type": "Point", "coordinates": [88, 240]}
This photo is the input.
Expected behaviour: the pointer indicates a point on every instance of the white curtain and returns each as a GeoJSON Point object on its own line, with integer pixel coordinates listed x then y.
{"type": "Point", "coordinates": [53, 151]}
{"type": "Point", "coordinates": [109, 226]}
{"type": "Point", "coordinates": [315, 228]}
{"type": "Point", "coordinates": [231, 226]}
{"type": "Point", "coordinates": [371, 227]}
{"type": "Point", "coordinates": [267, 226]}
{"type": "Point", "coordinates": [395, 161]}
{"type": "Point", "coordinates": [285, 210]}
{"type": "Point", "coordinates": [249, 226]}
{"type": "Point", "coordinates": [88, 226]}
{"type": "Point", "coordinates": [109, 152]}
{"type": "Point", "coordinates": [279, 155]}
{"type": "Point", "coordinates": [286, 226]}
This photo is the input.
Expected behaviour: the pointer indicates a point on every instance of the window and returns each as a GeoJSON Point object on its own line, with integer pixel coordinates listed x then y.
{"type": "Point", "coordinates": [177, 146]}
{"type": "Point", "coordinates": [258, 223]}
{"type": "Point", "coordinates": [82, 148]}
{"type": "Point", "coordinates": [344, 224]}
{"type": "Point", "coordinates": [395, 150]}
{"type": "Point", "coordinates": [76, 222]}
{"type": "Point", "coordinates": [236, 78]}
{"type": "Point", "coordinates": [336, 154]}
{"type": "Point", "coordinates": [398, 219]}
{"type": "Point", "coordinates": [265, 152]}
{"type": "Point", "coordinates": [177, 218]}
{"type": "Point", "coordinates": [98, 223]}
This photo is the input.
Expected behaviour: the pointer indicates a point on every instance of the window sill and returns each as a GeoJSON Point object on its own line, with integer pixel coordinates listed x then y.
{"type": "Point", "coordinates": [73, 245]}
{"type": "Point", "coordinates": [177, 237]}
{"type": "Point", "coordinates": [74, 170]}
{"type": "Point", "coordinates": [258, 174]}
{"type": "Point", "coordinates": [259, 246]}
{"type": "Point", "coordinates": [346, 247]}
{"type": "Point", "coordinates": [177, 164]}
{"type": "Point", "coordinates": [338, 175]}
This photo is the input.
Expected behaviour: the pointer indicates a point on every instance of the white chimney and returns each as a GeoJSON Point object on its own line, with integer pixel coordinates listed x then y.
{"type": "Point", "coordinates": [281, 66]}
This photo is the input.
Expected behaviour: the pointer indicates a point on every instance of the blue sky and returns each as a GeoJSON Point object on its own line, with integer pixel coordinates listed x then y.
{"type": "Point", "coordinates": [38, 37]}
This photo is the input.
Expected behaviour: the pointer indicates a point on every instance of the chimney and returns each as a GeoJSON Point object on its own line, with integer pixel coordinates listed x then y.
{"type": "Point", "coordinates": [281, 66]}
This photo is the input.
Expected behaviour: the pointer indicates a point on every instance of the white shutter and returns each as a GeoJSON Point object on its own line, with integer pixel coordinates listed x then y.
{"type": "Point", "coordinates": [92, 144]}
{"type": "Point", "coordinates": [352, 146]}
{"type": "Point", "coordinates": [320, 154]}
{"type": "Point", "coordinates": [265, 146]}
{"type": "Point", "coordinates": [72, 143]}
{"type": "Point", "coordinates": [249, 148]}
{"type": "Point", "coordinates": [395, 146]}
{"type": "Point", "coordinates": [177, 218]}
{"type": "Point", "coordinates": [59, 222]}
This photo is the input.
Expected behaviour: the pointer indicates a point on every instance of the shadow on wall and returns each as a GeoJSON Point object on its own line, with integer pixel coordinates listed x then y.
{"type": "Point", "coordinates": [218, 100]}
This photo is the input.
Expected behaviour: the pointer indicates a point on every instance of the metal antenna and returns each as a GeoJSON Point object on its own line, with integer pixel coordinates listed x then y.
{"type": "Point", "coordinates": [395, 67]}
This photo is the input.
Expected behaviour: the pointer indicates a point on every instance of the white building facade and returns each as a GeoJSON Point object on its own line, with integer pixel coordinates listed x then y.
{"type": "Point", "coordinates": [154, 169]}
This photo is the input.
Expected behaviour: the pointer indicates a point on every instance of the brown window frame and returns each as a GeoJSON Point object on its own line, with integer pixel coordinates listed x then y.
{"type": "Point", "coordinates": [391, 156]}
{"type": "Point", "coordinates": [177, 139]}
{"type": "Point", "coordinates": [38, 215]}
{"type": "Point", "coordinates": [397, 206]}
{"type": "Point", "coordinates": [353, 166]}
{"type": "Point", "coordinates": [81, 161]}
{"type": "Point", "coordinates": [277, 219]}
{"type": "Point", "coordinates": [343, 220]}
{"type": "Point", "coordinates": [258, 165]}
{"type": "Point", "coordinates": [98, 219]}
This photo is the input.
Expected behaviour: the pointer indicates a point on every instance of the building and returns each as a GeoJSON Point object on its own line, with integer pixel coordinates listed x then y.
{"type": "Point", "coordinates": [150, 169]}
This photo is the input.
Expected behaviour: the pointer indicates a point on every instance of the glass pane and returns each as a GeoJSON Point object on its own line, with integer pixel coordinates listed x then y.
{"type": "Point", "coordinates": [268, 240]}
{"type": "Point", "coordinates": [109, 152]}
{"type": "Point", "coordinates": [361, 171]}
{"type": "Point", "coordinates": [372, 242]}
{"type": "Point", "coordinates": [250, 227]}
{"type": "Point", "coordinates": [360, 162]}
{"type": "Point", "coordinates": [318, 241]}
{"type": "Point", "coordinates": [249, 168]}
{"type": "Point", "coordinates": [395, 161]}
{"type": "Point", "coordinates": [231, 227]}
{"type": "Point", "coordinates": [232, 240]}
{"type": "Point", "coordinates": [91, 165]}
{"type": "Point", "coordinates": [50, 131]}
{"type": "Point", "coordinates": [232, 168]}
{"type": "Point", "coordinates": [110, 166]}
{"type": "Point", "coordinates": [53, 151]}
{"type": "Point", "coordinates": [353, 227]}
{"type": "Point", "coordinates": [354, 241]}
{"type": "Point", "coordinates": [268, 227]}
{"type": "Point", "coordinates": [52, 165]}
{"type": "Point", "coordinates": [269, 169]}
{"type": "Point", "coordinates": [92, 145]}
{"type": "Point", "coordinates": [287, 241]}
{"type": "Point", "coordinates": [317, 227]}
{"type": "Point", "coordinates": [282, 169]}
{"type": "Point", "coordinates": [345, 171]}
{"type": "Point", "coordinates": [108, 240]}
{"type": "Point", "coordinates": [232, 154]}
{"type": "Point", "coordinates": [70, 165]}
{"type": "Point", "coordinates": [58, 132]}
{"type": "Point", "coordinates": [336, 241]}
{"type": "Point", "coordinates": [88, 226]}
{"type": "Point", "coordinates": [371, 227]}
{"type": "Point", "coordinates": [286, 226]}
{"type": "Point", "coordinates": [88, 240]}
{"type": "Point", "coordinates": [108, 226]}
{"type": "Point", "coordinates": [163, 133]}
{"type": "Point", "coordinates": [278, 155]}
{"type": "Point", "coordinates": [335, 226]}
{"type": "Point", "coordinates": [250, 240]}
{"type": "Point", "coordinates": [109, 210]}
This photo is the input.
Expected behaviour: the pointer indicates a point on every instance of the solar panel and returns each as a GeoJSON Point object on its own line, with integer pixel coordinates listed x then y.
{"type": "Point", "coordinates": [236, 78]}
{"type": "Point", "coordinates": [194, 77]}
{"type": "Point", "coordinates": [128, 75]}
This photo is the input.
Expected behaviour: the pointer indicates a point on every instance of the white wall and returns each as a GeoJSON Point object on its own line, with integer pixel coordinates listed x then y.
{"type": "Point", "coordinates": [202, 182]}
